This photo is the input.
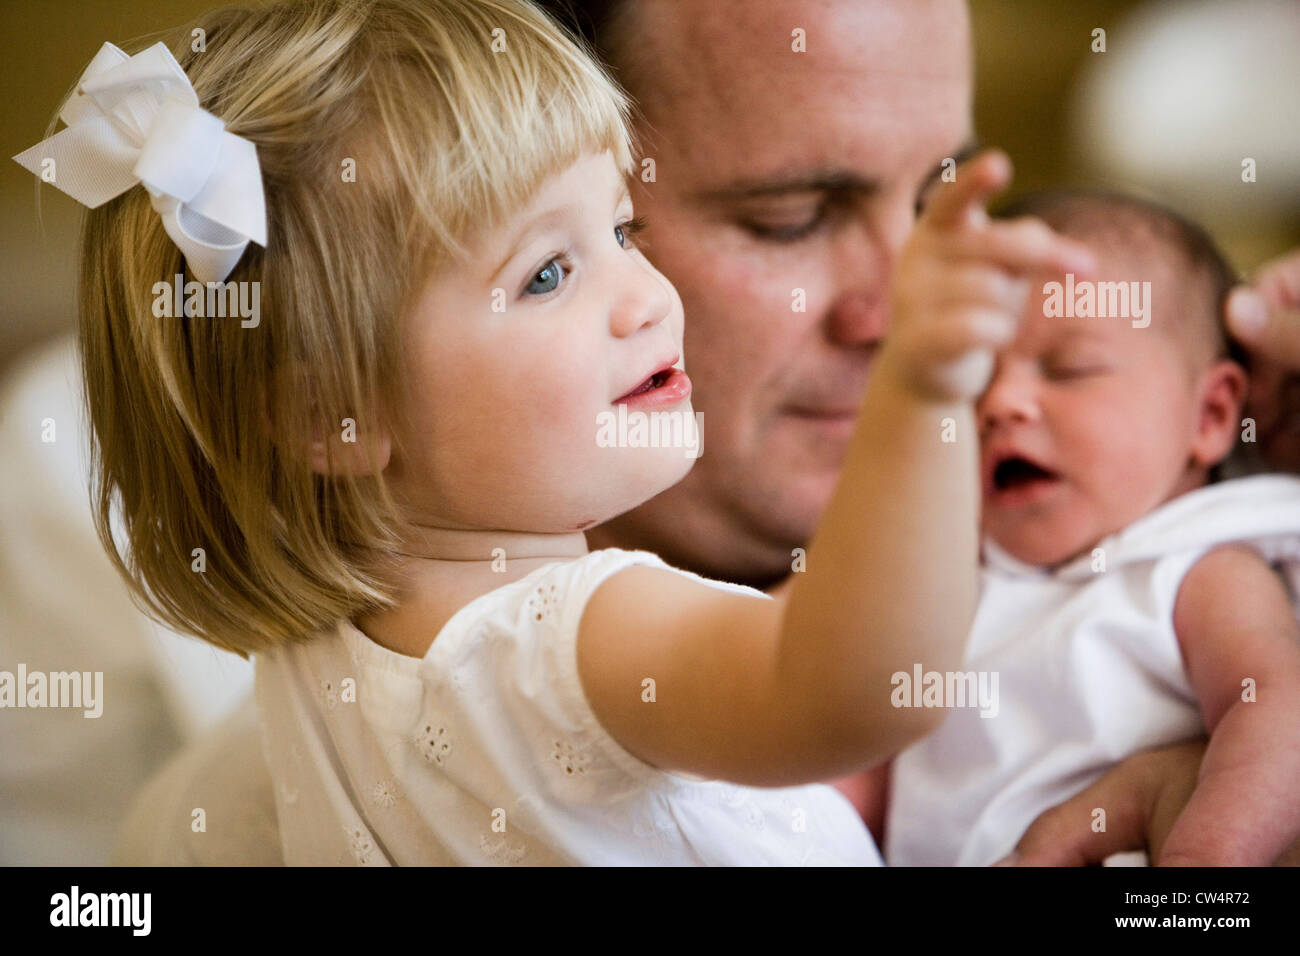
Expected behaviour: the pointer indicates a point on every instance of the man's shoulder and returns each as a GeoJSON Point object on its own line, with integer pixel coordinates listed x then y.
{"type": "Point", "coordinates": [211, 805]}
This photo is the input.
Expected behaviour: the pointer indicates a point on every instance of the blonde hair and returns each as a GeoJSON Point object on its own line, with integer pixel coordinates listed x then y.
{"type": "Point", "coordinates": [454, 112]}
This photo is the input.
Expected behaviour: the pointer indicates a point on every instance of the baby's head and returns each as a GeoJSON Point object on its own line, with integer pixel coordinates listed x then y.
{"type": "Point", "coordinates": [1112, 399]}
{"type": "Point", "coordinates": [447, 301]}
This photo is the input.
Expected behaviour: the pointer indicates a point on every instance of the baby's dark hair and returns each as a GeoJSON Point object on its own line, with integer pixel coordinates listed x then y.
{"type": "Point", "coordinates": [1103, 216]}
{"type": "Point", "coordinates": [1100, 215]}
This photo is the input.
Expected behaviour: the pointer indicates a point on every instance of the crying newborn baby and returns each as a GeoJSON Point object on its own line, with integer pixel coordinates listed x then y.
{"type": "Point", "coordinates": [1130, 597]}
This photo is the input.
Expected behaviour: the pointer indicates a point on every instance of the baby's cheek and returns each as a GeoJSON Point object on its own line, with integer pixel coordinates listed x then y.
{"type": "Point", "coordinates": [1121, 450]}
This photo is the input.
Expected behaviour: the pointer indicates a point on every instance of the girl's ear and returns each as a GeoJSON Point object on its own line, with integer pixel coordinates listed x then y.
{"type": "Point", "coordinates": [1218, 424]}
{"type": "Point", "coordinates": [352, 446]}
{"type": "Point", "coordinates": [349, 449]}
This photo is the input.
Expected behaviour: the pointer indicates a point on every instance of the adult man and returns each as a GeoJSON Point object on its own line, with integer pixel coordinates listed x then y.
{"type": "Point", "coordinates": [792, 144]}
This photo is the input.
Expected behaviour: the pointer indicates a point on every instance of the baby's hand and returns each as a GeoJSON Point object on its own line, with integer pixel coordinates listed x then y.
{"type": "Point", "coordinates": [963, 284]}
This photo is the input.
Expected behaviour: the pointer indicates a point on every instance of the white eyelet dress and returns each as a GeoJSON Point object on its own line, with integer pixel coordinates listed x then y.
{"type": "Point", "coordinates": [486, 752]}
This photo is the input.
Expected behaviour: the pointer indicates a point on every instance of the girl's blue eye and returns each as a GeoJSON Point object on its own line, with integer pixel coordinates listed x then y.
{"type": "Point", "coordinates": [547, 279]}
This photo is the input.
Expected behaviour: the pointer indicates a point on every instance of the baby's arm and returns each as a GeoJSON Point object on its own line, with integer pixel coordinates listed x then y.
{"type": "Point", "coordinates": [797, 689]}
{"type": "Point", "coordinates": [1234, 622]}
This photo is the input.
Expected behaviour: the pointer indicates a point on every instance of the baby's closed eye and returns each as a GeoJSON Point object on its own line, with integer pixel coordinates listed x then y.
{"type": "Point", "coordinates": [1075, 365]}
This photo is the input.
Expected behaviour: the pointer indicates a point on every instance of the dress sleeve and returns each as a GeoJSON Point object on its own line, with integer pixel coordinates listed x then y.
{"type": "Point", "coordinates": [559, 653]}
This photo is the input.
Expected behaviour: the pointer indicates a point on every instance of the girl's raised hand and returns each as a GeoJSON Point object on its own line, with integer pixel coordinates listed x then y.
{"type": "Point", "coordinates": [963, 283]}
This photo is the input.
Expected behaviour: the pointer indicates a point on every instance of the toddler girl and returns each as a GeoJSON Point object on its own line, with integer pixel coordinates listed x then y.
{"type": "Point", "coordinates": [379, 485]}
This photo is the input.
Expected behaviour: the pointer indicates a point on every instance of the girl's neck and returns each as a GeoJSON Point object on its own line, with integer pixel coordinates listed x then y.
{"type": "Point", "coordinates": [440, 570]}
{"type": "Point", "coordinates": [438, 545]}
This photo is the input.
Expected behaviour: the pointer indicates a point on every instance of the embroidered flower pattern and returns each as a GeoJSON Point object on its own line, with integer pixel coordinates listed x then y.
{"type": "Point", "coordinates": [360, 843]}
{"type": "Point", "coordinates": [743, 806]}
{"type": "Point", "coordinates": [528, 809]}
{"type": "Point", "coordinates": [543, 602]}
{"type": "Point", "coordinates": [329, 694]}
{"type": "Point", "coordinates": [385, 793]}
{"type": "Point", "coordinates": [500, 851]}
{"type": "Point", "coordinates": [571, 760]}
{"type": "Point", "coordinates": [434, 742]}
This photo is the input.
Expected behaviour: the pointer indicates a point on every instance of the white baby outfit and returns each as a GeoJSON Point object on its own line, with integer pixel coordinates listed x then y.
{"type": "Point", "coordinates": [486, 751]}
{"type": "Point", "coordinates": [1089, 672]}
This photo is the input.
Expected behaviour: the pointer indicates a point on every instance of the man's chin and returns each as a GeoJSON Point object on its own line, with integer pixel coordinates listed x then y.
{"type": "Point", "coordinates": [832, 429]}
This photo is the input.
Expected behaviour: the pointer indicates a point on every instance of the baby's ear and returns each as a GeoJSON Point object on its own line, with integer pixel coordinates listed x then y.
{"type": "Point", "coordinates": [334, 445]}
{"type": "Point", "coordinates": [1218, 424]}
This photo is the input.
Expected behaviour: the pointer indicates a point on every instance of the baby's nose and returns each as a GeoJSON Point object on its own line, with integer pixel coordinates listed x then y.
{"type": "Point", "coordinates": [1012, 395]}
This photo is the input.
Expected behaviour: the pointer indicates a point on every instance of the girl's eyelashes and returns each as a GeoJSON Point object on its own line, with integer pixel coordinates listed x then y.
{"type": "Point", "coordinates": [627, 231]}
{"type": "Point", "coordinates": [556, 269]}
{"type": "Point", "coordinates": [548, 278]}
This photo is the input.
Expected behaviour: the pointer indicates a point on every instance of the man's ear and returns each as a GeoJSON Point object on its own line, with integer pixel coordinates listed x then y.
{"type": "Point", "coordinates": [353, 445]}
{"type": "Point", "coordinates": [1218, 422]}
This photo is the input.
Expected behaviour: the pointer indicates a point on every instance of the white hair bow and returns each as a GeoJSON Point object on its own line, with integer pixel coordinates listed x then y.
{"type": "Point", "coordinates": [137, 120]}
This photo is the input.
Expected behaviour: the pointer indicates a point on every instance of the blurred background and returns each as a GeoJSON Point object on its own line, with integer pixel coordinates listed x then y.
{"type": "Point", "coordinates": [1182, 94]}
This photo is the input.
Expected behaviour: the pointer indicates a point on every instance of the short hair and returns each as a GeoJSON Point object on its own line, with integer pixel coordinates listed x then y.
{"type": "Point", "coordinates": [1105, 215]}
{"type": "Point", "coordinates": [601, 27]}
{"type": "Point", "coordinates": [589, 20]}
{"type": "Point", "coordinates": [193, 419]}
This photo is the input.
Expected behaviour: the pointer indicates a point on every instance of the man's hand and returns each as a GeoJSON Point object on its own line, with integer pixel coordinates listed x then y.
{"type": "Point", "coordinates": [1142, 797]}
{"type": "Point", "coordinates": [1264, 317]}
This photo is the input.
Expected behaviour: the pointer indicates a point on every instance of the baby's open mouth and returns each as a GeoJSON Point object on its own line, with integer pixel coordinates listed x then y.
{"type": "Point", "coordinates": [1016, 480]}
{"type": "Point", "coordinates": [1017, 472]}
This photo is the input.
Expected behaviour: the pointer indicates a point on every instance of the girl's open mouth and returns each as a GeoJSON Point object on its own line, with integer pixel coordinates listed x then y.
{"type": "Point", "coordinates": [664, 388]}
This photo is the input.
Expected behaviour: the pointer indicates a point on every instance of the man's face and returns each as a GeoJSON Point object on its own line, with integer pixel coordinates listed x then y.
{"type": "Point", "coordinates": [785, 186]}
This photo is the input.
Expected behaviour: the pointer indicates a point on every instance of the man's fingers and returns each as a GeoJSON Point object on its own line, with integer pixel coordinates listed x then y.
{"type": "Point", "coordinates": [1140, 800]}
{"type": "Point", "coordinates": [1271, 332]}
{"type": "Point", "coordinates": [1066, 835]}
{"type": "Point", "coordinates": [1279, 280]}
{"type": "Point", "coordinates": [962, 201]}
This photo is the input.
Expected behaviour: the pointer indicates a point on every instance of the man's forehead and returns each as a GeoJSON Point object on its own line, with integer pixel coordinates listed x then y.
{"type": "Point", "coordinates": [735, 46]}
{"type": "Point", "coordinates": [725, 88]}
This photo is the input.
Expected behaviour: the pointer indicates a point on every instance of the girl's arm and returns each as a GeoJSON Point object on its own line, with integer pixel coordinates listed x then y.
{"type": "Point", "coordinates": [797, 689]}
{"type": "Point", "coordinates": [1234, 622]}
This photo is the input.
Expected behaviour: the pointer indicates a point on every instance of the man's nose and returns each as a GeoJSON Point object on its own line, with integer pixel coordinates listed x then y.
{"type": "Point", "coordinates": [858, 319]}
{"type": "Point", "coordinates": [643, 298]}
{"type": "Point", "coordinates": [865, 259]}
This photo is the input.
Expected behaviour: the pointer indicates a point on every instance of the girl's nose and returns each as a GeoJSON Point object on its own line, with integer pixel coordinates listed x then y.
{"type": "Point", "coordinates": [644, 299]}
